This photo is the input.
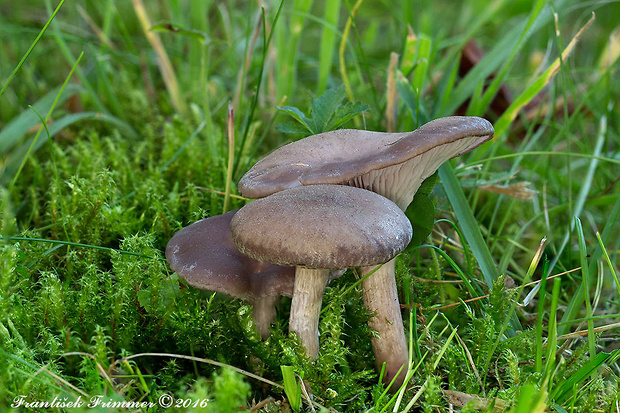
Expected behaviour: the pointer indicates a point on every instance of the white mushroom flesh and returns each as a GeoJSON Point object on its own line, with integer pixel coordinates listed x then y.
{"type": "Point", "coordinates": [389, 181]}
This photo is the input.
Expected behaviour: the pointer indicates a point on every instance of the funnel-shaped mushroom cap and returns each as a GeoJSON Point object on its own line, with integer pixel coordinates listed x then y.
{"type": "Point", "coordinates": [391, 164]}
{"type": "Point", "coordinates": [322, 226]}
{"type": "Point", "coordinates": [204, 255]}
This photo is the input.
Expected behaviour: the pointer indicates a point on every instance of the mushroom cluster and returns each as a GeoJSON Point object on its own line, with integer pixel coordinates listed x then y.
{"type": "Point", "coordinates": [331, 201]}
{"type": "Point", "coordinates": [319, 228]}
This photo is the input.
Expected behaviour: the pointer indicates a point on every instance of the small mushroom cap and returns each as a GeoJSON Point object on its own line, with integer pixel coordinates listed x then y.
{"type": "Point", "coordinates": [351, 157]}
{"type": "Point", "coordinates": [322, 226]}
{"type": "Point", "coordinates": [204, 255]}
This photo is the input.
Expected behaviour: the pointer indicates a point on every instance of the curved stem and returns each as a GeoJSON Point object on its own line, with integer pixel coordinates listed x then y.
{"type": "Point", "coordinates": [306, 307]}
{"type": "Point", "coordinates": [265, 314]}
{"type": "Point", "coordinates": [381, 297]}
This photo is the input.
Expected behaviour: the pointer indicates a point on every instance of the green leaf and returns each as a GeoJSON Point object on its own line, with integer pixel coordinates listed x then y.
{"type": "Point", "coordinates": [324, 107]}
{"type": "Point", "coordinates": [297, 114]}
{"type": "Point", "coordinates": [294, 112]}
{"type": "Point", "coordinates": [346, 113]}
{"type": "Point", "coordinates": [428, 184]}
{"type": "Point", "coordinates": [328, 113]}
{"type": "Point", "coordinates": [292, 127]}
{"type": "Point", "coordinates": [291, 387]}
{"type": "Point", "coordinates": [421, 213]}
{"type": "Point", "coordinates": [585, 279]}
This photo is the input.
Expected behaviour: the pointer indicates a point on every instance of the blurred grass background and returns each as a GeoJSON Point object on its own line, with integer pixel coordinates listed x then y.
{"type": "Point", "coordinates": [139, 131]}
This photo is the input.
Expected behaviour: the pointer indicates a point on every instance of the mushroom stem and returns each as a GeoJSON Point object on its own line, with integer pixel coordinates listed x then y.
{"type": "Point", "coordinates": [265, 314]}
{"type": "Point", "coordinates": [381, 297]}
{"type": "Point", "coordinates": [306, 307]}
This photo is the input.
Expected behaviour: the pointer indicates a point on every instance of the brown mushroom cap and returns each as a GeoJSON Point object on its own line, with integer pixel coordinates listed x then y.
{"type": "Point", "coordinates": [204, 255]}
{"type": "Point", "coordinates": [322, 226]}
{"type": "Point", "coordinates": [391, 164]}
{"type": "Point", "coordinates": [318, 228]}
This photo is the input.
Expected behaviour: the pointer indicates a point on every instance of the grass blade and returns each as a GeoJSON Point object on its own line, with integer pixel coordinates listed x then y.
{"type": "Point", "coordinates": [585, 280]}
{"type": "Point", "coordinates": [343, 45]}
{"type": "Point", "coordinates": [290, 56]}
{"type": "Point", "coordinates": [328, 43]}
{"type": "Point", "coordinates": [539, 322]}
{"type": "Point", "coordinates": [266, 44]}
{"type": "Point", "coordinates": [31, 48]}
{"type": "Point", "coordinates": [167, 72]}
{"type": "Point", "coordinates": [562, 392]}
{"type": "Point", "coordinates": [472, 288]}
{"type": "Point", "coordinates": [77, 244]}
{"type": "Point", "coordinates": [231, 156]}
{"type": "Point", "coordinates": [47, 117]}
{"type": "Point", "coordinates": [575, 302]}
{"type": "Point", "coordinates": [58, 125]}
{"type": "Point", "coordinates": [552, 334]}
{"type": "Point", "coordinates": [412, 100]}
{"type": "Point", "coordinates": [510, 316]}
{"type": "Point", "coordinates": [391, 107]}
{"type": "Point", "coordinates": [13, 131]}
{"type": "Point", "coordinates": [609, 263]}
{"type": "Point", "coordinates": [85, 81]}
{"type": "Point", "coordinates": [291, 387]}
{"type": "Point", "coordinates": [524, 98]}
{"type": "Point", "coordinates": [498, 80]}
{"type": "Point", "coordinates": [423, 59]}
{"type": "Point", "coordinates": [467, 221]}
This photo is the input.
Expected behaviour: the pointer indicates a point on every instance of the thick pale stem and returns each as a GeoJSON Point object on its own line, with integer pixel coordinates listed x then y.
{"type": "Point", "coordinates": [265, 314]}
{"type": "Point", "coordinates": [306, 307]}
{"type": "Point", "coordinates": [381, 297]}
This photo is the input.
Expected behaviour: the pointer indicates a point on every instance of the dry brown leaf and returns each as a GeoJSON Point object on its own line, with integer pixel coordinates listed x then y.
{"type": "Point", "coordinates": [518, 190]}
{"type": "Point", "coordinates": [391, 110]}
{"type": "Point", "coordinates": [460, 399]}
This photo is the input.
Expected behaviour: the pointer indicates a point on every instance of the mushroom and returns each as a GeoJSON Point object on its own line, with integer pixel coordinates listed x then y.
{"type": "Point", "coordinates": [203, 254]}
{"type": "Point", "coordinates": [391, 164]}
{"type": "Point", "coordinates": [318, 228]}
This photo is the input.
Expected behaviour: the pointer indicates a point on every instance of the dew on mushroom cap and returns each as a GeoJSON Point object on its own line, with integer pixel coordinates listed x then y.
{"type": "Point", "coordinates": [318, 228]}
{"type": "Point", "coordinates": [204, 255]}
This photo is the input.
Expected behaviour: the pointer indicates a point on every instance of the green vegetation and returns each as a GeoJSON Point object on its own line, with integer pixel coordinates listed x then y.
{"type": "Point", "coordinates": [115, 133]}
